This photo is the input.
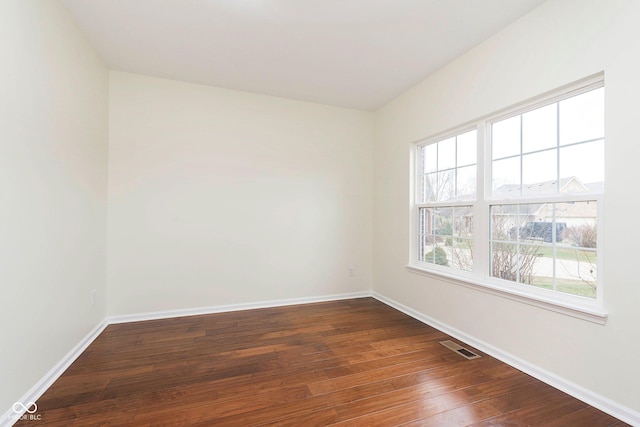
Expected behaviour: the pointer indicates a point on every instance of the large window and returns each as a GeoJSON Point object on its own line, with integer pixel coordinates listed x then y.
{"type": "Point", "coordinates": [513, 203]}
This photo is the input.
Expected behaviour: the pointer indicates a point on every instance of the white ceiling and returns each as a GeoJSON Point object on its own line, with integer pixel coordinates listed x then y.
{"type": "Point", "coordinates": [351, 53]}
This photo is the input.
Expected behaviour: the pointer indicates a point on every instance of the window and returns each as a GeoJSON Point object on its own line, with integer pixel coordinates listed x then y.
{"type": "Point", "coordinates": [447, 186]}
{"type": "Point", "coordinates": [535, 176]}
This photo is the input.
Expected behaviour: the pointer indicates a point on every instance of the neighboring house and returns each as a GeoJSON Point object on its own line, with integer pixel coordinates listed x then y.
{"type": "Point", "coordinates": [572, 214]}
{"type": "Point", "coordinates": [439, 221]}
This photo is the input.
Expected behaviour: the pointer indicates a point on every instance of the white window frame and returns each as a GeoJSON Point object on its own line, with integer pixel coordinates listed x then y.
{"type": "Point", "coordinates": [591, 309]}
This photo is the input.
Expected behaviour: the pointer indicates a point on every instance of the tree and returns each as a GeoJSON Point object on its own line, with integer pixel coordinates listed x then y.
{"type": "Point", "coordinates": [511, 260]}
{"type": "Point", "coordinates": [585, 236]}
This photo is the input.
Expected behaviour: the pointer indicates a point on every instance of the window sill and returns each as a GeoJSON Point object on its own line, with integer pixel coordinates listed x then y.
{"type": "Point", "coordinates": [591, 314]}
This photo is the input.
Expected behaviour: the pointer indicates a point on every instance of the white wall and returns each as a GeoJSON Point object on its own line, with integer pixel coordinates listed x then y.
{"type": "Point", "coordinates": [558, 43]}
{"type": "Point", "coordinates": [53, 182]}
{"type": "Point", "coordinates": [222, 197]}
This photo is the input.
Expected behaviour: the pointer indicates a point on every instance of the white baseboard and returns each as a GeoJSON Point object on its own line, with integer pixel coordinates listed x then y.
{"type": "Point", "coordinates": [615, 409]}
{"type": "Point", "coordinates": [231, 307]}
{"type": "Point", "coordinates": [10, 416]}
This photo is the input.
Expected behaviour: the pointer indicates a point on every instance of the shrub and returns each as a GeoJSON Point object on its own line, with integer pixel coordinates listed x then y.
{"type": "Point", "coordinates": [440, 257]}
{"type": "Point", "coordinates": [585, 235]}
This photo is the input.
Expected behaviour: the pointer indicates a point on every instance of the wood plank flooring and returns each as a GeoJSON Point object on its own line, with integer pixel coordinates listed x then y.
{"type": "Point", "coordinates": [345, 363]}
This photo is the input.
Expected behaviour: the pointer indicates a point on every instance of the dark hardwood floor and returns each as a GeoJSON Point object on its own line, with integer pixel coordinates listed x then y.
{"type": "Point", "coordinates": [348, 363]}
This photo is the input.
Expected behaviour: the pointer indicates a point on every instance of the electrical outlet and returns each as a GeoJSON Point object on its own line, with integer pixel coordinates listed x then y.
{"type": "Point", "coordinates": [352, 271]}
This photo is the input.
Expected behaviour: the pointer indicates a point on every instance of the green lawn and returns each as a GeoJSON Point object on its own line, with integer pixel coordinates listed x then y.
{"type": "Point", "coordinates": [568, 254]}
{"type": "Point", "coordinates": [569, 286]}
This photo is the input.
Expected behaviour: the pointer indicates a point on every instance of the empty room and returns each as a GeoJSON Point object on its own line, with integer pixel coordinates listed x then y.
{"type": "Point", "coordinates": [319, 212]}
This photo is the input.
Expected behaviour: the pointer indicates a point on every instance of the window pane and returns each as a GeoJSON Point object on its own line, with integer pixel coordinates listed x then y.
{"type": "Point", "coordinates": [421, 246]}
{"type": "Point", "coordinates": [466, 183]}
{"type": "Point", "coordinates": [463, 221]}
{"type": "Point", "coordinates": [505, 136]}
{"type": "Point", "coordinates": [467, 148]}
{"type": "Point", "coordinates": [582, 117]}
{"type": "Point", "coordinates": [505, 178]}
{"type": "Point", "coordinates": [537, 218]}
{"type": "Point", "coordinates": [577, 272]}
{"type": "Point", "coordinates": [547, 245]}
{"type": "Point", "coordinates": [446, 185]}
{"type": "Point", "coordinates": [580, 219]}
{"type": "Point", "coordinates": [515, 262]}
{"type": "Point", "coordinates": [575, 269]}
{"type": "Point", "coordinates": [512, 258]}
{"type": "Point", "coordinates": [446, 236]}
{"type": "Point", "coordinates": [539, 129]}
{"type": "Point", "coordinates": [539, 173]}
{"type": "Point", "coordinates": [443, 222]}
{"type": "Point", "coordinates": [535, 223]}
{"type": "Point", "coordinates": [422, 214]}
{"type": "Point", "coordinates": [438, 223]}
{"type": "Point", "coordinates": [442, 178]}
{"type": "Point", "coordinates": [429, 186]}
{"type": "Point", "coordinates": [534, 269]}
{"type": "Point", "coordinates": [504, 261]}
{"type": "Point", "coordinates": [444, 252]}
{"type": "Point", "coordinates": [462, 254]}
{"type": "Point", "coordinates": [504, 222]}
{"type": "Point", "coordinates": [514, 222]}
{"type": "Point", "coordinates": [447, 154]}
{"type": "Point", "coordinates": [583, 161]}
{"type": "Point", "coordinates": [427, 249]}
{"type": "Point", "coordinates": [430, 157]}
{"type": "Point", "coordinates": [462, 242]}
{"type": "Point", "coordinates": [424, 227]}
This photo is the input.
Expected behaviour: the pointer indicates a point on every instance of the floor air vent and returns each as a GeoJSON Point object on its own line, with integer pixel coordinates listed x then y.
{"type": "Point", "coordinates": [467, 354]}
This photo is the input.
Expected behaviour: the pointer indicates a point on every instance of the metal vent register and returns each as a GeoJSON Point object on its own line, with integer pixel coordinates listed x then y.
{"type": "Point", "coordinates": [466, 353]}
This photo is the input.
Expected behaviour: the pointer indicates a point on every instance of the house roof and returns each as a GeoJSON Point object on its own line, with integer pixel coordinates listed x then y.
{"type": "Point", "coordinates": [564, 185]}
{"type": "Point", "coordinates": [568, 184]}
{"type": "Point", "coordinates": [509, 191]}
